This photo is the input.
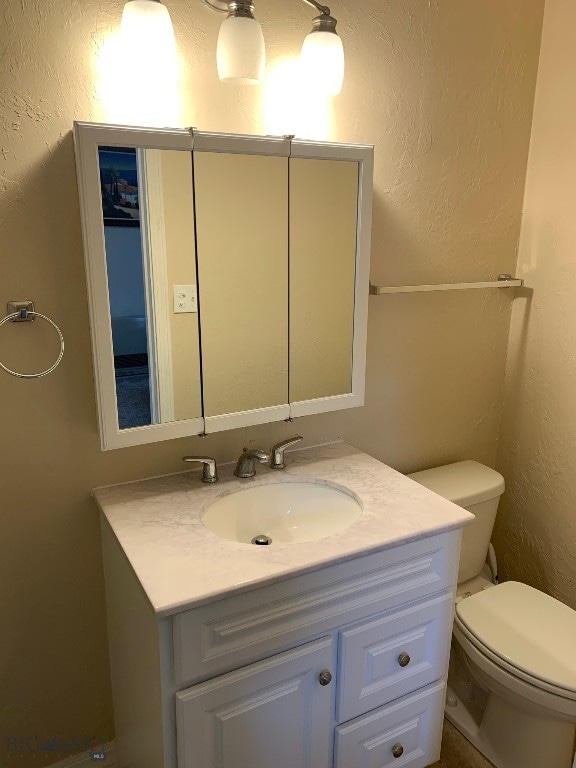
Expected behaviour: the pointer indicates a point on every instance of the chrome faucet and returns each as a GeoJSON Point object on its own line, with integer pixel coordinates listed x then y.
{"type": "Point", "coordinates": [277, 451]}
{"type": "Point", "coordinates": [209, 469]}
{"type": "Point", "coordinates": [246, 464]}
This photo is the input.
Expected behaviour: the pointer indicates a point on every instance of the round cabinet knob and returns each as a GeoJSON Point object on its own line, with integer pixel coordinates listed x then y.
{"type": "Point", "coordinates": [325, 677]}
{"type": "Point", "coordinates": [398, 750]}
{"type": "Point", "coordinates": [404, 659]}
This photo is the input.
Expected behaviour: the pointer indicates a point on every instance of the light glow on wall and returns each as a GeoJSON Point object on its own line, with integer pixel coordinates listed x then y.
{"type": "Point", "coordinates": [138, 71]}
{"type": "Point", "coordinates": [292, 105]}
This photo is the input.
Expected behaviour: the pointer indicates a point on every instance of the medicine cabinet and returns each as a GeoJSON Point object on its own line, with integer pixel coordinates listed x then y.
{"type": "Point", "coordinates": [227, 277]}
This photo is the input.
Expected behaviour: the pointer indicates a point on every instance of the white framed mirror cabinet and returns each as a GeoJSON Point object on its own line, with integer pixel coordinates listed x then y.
{"type": "Point", "coordinates": [228, 278]}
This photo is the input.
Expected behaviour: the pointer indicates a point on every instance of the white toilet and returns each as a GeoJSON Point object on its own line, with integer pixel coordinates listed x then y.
{"type": "Point", "coordinates": [512, 680]}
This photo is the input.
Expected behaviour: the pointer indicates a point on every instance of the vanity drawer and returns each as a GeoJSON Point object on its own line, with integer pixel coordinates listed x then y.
{"type": "Point", "coordinates": [407, 733]}
{"type": "Point", "coordinates": [237, 630]}
{"type": "Point", "coordinates": [392, 654]}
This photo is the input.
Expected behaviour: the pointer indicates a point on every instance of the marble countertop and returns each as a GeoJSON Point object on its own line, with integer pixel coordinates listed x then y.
{"type": "Point", "coordinates": [181, 564]}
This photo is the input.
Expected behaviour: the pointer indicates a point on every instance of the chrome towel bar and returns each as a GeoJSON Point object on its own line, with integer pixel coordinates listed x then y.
{"type": "Point", "coordinates": [504, 281]}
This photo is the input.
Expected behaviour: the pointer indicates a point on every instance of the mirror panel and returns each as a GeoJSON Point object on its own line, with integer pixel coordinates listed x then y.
{"type": "Point", "coordinates": [148, 221]}
{"type": "Point", "coordinates": [242, 240]}
{"type": "Point", "coordinates": [119, 183]}
{"type": "Point", "coordinates": [179, 231]}
{"type": "Point", "coordinates": [323, 235]}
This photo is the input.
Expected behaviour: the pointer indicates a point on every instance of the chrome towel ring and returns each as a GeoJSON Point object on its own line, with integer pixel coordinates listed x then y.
{"type": "Point", "coordinates": [25, 313]}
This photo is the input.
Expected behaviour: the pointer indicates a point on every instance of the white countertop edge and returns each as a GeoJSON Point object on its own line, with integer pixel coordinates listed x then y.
{"type": "Point", "coordinates": [157, 523]}
{"type": "Point", "coordinates": [171, 610]}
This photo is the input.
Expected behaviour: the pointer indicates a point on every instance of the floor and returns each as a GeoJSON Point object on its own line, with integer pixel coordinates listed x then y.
{"type": "Point", "coordinates": [457, 752]}
{"type": "Point", "coordinates": [133, 397]}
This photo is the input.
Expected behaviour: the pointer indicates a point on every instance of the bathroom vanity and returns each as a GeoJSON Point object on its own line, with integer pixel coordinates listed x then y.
{"type": "Point", "coordinates": [322, 653]}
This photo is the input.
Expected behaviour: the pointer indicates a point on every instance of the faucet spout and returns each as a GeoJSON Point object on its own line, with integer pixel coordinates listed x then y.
{"type": "Point", "coordinates": [246, 464]}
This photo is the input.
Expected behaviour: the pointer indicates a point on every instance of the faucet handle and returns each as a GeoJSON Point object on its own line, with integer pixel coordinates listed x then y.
{"type": "Point", "coordinates": [277, 451]}
{"type": "Point", "coordinates": [209, 469]}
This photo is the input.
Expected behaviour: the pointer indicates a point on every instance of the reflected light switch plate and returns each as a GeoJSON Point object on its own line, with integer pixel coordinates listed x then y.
{"type": "Point", "coordinates": [185, 298]}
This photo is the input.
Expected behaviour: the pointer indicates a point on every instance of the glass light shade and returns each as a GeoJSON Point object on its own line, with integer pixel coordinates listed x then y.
{"type": "Point", "coordinates": [240, 52]}
{"type": "Point", "coordinates": [147, 23]}
{"type": "Point", "coordinates": [322, 61]}
{"type": "Point", "coordinates": [143, 80]}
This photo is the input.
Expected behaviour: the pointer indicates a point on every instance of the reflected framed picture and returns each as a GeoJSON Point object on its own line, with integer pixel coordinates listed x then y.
{"type": "Point", "coordinates": [119, 186]}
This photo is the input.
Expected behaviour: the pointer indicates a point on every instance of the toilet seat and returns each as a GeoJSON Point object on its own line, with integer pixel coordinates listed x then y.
{"type": "Point", "coordinates": [526, 632]}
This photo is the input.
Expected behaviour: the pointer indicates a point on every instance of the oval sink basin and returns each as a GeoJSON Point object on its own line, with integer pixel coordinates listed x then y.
{"type": "Point", "coordinates": [283, 512]}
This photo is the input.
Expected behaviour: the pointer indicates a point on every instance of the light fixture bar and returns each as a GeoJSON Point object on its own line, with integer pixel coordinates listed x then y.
{"type": "Point", "coordinates": [217, 5]}
{"type": "Point", "coordinates": [322, 8]}
{"type": "Point", "coordinates": [241, 56]}
{"type": "Point", "coordinates": [241, 9]}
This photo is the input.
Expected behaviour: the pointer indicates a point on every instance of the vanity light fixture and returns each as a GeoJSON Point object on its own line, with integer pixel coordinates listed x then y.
{"type": "Point", "coordinates": [322, 55]}
{"type": "Point", "coordinates": [147, 24]}
{"type": "Point", "coordinates": [145, 45]}
{"type": "Point", "coordinates": [240, 52]}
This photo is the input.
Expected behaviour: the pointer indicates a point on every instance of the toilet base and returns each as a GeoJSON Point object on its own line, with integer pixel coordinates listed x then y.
{"type": "Point", "coordinates": [510, 737]}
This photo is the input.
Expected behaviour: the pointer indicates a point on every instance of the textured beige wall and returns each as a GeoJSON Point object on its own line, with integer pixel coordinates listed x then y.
{"type": "Point", "coordinates": [536, 526]}
{"type": "Point", "coordinates": [444, 89]}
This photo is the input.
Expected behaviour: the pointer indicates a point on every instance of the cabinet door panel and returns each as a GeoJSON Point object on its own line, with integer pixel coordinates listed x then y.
{"type": "Point", "coordinates": [273, 713]}
{"type": "Point", "coordinates": [370, 673]}
{"type": "Point", "coordinates": [242, 246]}
{"type": "Point", "coordinates": [323, 232]}
{"type": "Point", "coordinates": [413, 723]}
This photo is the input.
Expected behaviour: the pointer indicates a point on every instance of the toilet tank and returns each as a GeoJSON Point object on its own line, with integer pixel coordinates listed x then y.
{"type": "Point", "coordinates": [476, 488]}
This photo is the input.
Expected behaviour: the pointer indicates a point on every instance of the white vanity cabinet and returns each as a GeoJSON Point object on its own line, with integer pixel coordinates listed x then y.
{"type": "Point", "coordinates": [337, 668]}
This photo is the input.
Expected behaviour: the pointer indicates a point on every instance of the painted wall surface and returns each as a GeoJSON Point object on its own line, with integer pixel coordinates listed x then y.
{"type": "Point", "coordinates": [444, 89]}
{"type": "Point", "coordinates": [536, 527]}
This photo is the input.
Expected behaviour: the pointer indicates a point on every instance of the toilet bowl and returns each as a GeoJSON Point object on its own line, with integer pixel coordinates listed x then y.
{"type": "Point", "coordinates": [512, 679]}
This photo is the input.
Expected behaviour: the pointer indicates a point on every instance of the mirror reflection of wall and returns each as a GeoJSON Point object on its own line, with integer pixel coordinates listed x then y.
{"type": "Point", "coordinates": [276, 243]}
{"type": "Point", "coordinates": [242, 237]}
{"type": "Point", "coordinates": [323, 232]}
{"type": "Point", "coordinates": [181, 267]}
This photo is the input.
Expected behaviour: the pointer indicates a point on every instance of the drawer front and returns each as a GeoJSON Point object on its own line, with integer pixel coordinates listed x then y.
{"type": "Point", "coordinates": [237, 630]}
{"type": "Point", "coordinates": [392, 654]}
{"type": "Point", "coordinates": [407, 733]}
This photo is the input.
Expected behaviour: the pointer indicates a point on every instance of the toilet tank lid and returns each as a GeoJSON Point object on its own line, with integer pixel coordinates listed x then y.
{"type": "Point", "coordinates": [464, 483]}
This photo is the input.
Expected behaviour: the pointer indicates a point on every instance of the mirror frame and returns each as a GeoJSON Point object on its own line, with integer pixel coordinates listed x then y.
{"type": "Point", "coordinates": [87, 139]}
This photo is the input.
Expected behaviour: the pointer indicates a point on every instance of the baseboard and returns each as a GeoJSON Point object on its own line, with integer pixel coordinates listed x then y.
{"type": "Point", "coordinates": [91, 761]}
